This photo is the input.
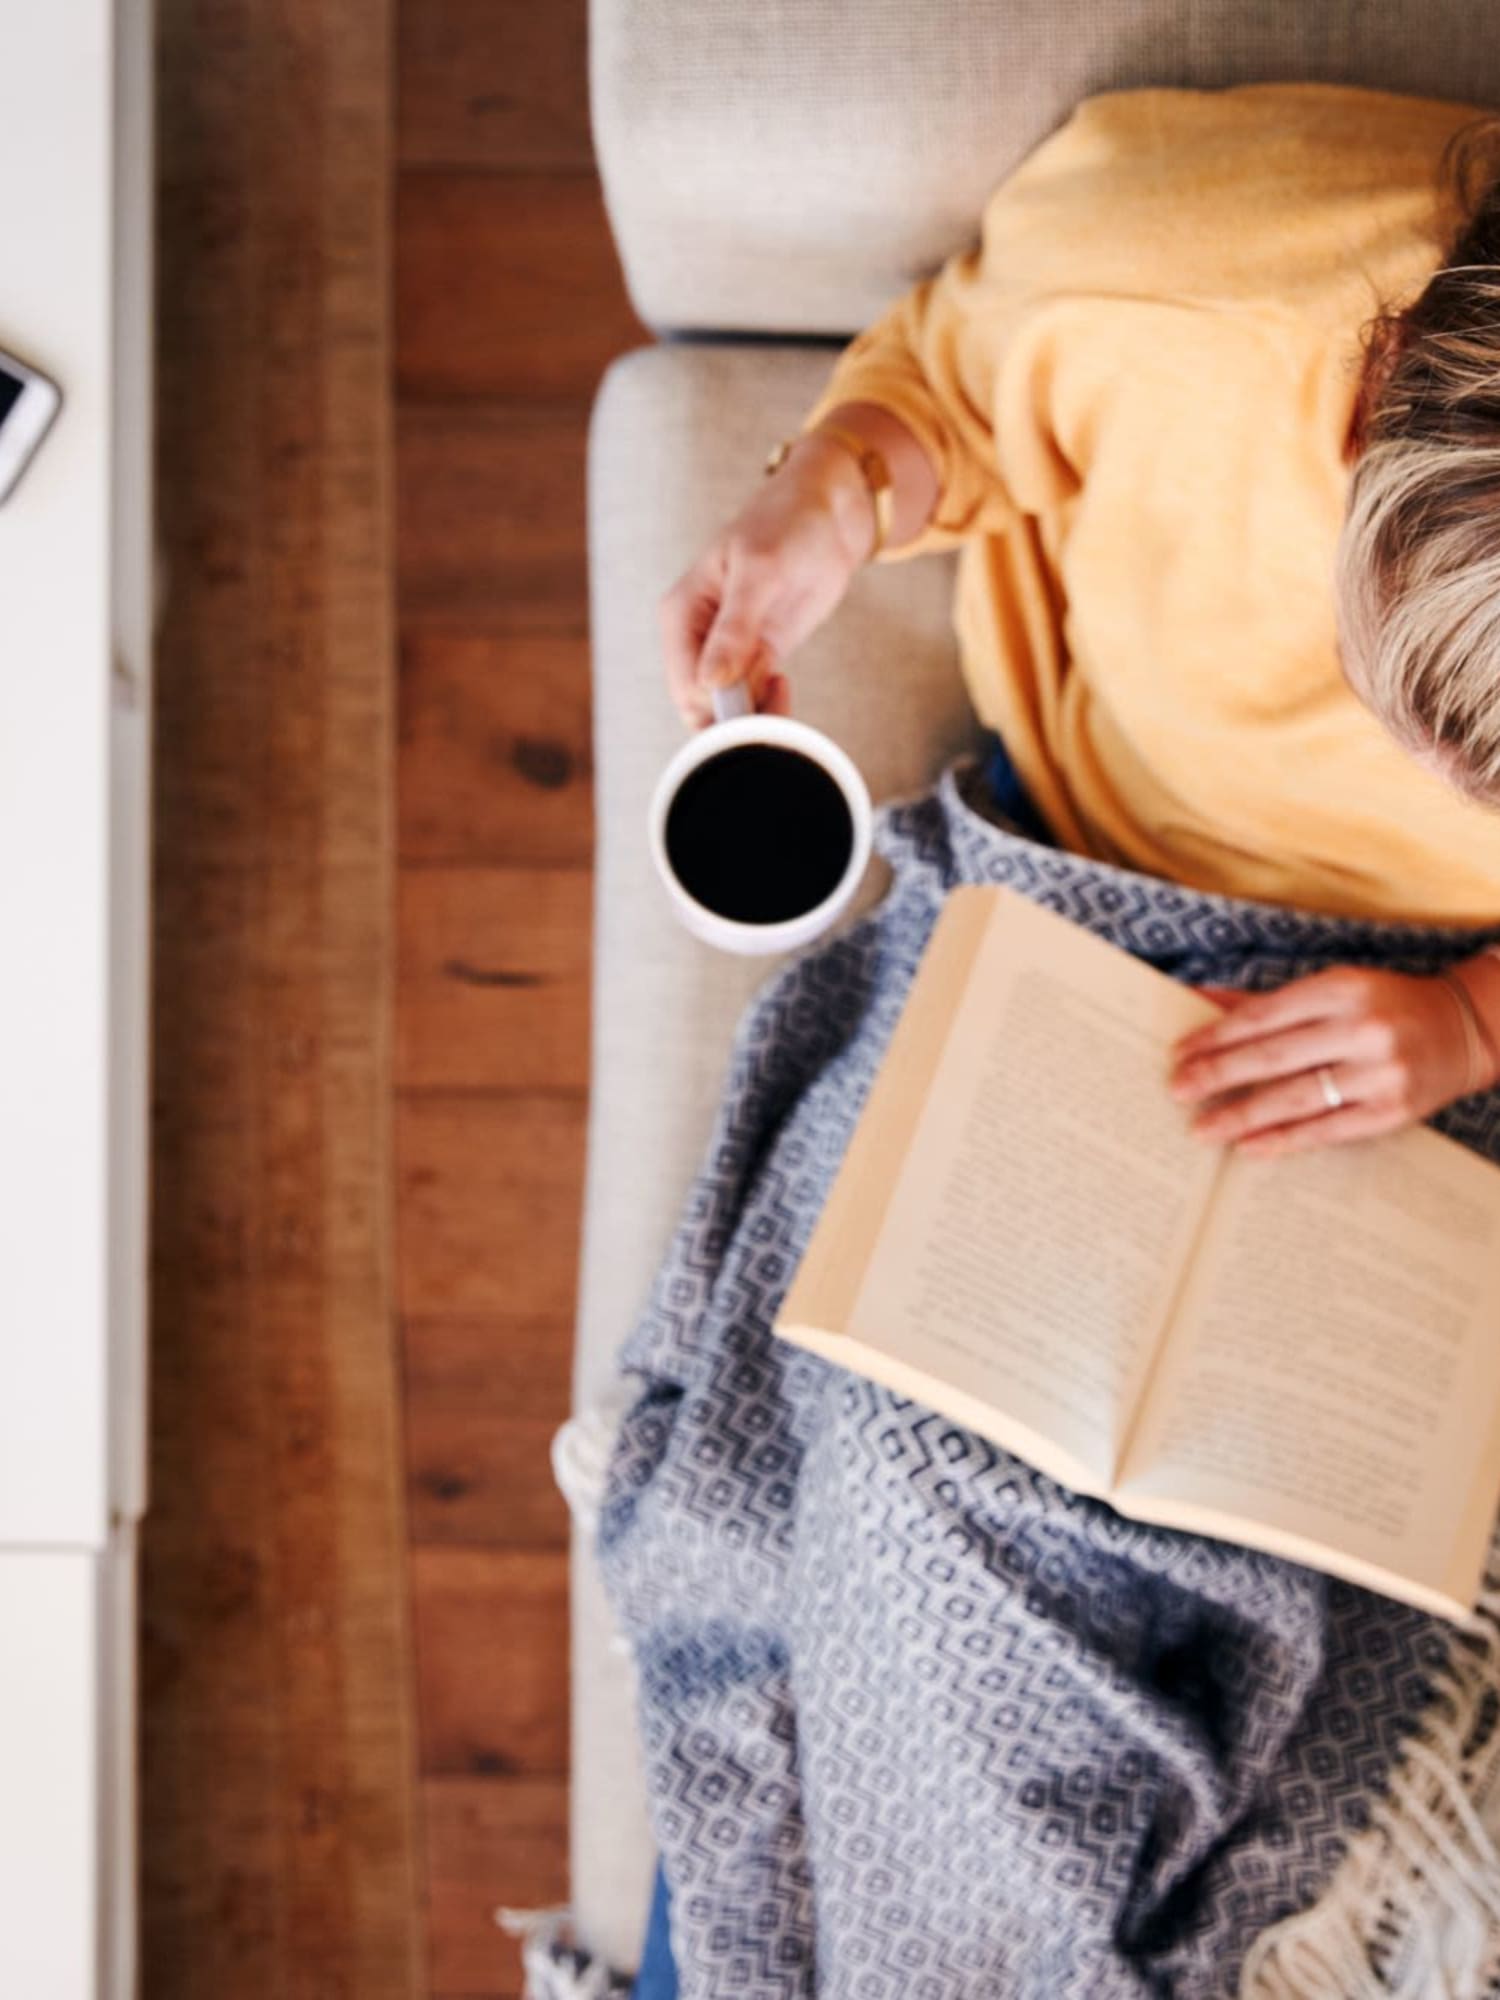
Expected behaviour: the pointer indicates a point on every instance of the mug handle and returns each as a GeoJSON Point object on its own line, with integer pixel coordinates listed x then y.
{"type": "Point", "coordinates": [731, 702]}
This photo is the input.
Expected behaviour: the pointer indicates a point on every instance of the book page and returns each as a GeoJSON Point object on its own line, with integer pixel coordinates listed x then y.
{"type": "Point", "coordinates": [1333, 1369]}
{"type": "Point", "coordinates": [1048, 1196]}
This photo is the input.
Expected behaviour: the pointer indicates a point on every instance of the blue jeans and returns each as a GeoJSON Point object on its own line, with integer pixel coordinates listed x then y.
{"type": "Point", "coordinates": [657, 1978]}
{"type": "Point", "coordinates": [1009, 794]}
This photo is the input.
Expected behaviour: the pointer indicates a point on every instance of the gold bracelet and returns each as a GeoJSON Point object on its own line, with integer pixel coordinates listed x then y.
{"type": "Point", "coordinates": [1477, 1043]}
{"type": "Point", "coordinates": [873, 469]}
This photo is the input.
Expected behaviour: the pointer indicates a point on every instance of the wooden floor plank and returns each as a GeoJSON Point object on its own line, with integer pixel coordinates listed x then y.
{"type": "Point", "coordinates": [488, 1214]}
{"type": "Point", "coordinates": [496, 762]}
{"type": "Point", "coordinates": [487, 1361]}
{"type": "Point", "coordinates": [506, 285]}
{"type": "Point", "coordinates": [489, 1845]}
{"type": "Point", "coordinates": [510, 305]}
{"type": "Point", "coordinates": [277, 1817]}
{"type": "Point", "coordinates": [494, 83]}
{"type": "Point", "coordinates": [484, 1476]}
{"type": "Point", "coordinates": [491, 1628]}
{"type": "Point", "coordinates": [483, 1401]}
{"type": "Point", "coordinates": [493, 978]}
{"type": "Point", "coordinates": [490, 518]}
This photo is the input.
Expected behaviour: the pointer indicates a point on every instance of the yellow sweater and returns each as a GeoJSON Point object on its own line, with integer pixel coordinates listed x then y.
{"type": "Point", "coordinates": [1136, 391]}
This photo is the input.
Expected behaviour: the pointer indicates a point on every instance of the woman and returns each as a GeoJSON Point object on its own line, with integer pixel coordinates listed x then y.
{"type": "Point", "coordinates": [1213, 416]}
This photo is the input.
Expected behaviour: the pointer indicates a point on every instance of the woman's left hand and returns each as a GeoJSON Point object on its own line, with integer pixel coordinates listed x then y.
{"type": "Point", "coordinates": [1393, 1042]}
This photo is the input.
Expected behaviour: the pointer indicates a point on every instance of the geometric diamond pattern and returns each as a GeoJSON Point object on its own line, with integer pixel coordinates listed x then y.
{"type": "Point", "coordinates": [919, 1722]}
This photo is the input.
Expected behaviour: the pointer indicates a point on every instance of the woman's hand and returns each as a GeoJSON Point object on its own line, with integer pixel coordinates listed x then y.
{"type": "Point", "coordinates": [766, 581]}
{"type": "Point", "coordinates": [1393, 1042]}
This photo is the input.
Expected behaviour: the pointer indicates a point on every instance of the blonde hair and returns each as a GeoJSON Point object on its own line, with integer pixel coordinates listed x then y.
{"type": "Point", "coordinates": [1417, 568]}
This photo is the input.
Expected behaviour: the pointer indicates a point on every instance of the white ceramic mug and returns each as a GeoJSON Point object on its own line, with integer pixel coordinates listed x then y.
{"type": "Point", "coordinates": [735, 722]}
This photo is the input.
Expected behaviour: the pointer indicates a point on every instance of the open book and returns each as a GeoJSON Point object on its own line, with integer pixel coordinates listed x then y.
{"type": "Point", "coordinates": [1298, 1353]}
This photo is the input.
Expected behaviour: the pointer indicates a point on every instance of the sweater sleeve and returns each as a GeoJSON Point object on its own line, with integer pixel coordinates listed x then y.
{"type": "Point", "coordinates": [924, 360]}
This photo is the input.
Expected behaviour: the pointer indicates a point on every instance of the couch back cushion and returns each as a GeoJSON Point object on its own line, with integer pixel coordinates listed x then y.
{"type": "Point", "coordinates": [791, 166]}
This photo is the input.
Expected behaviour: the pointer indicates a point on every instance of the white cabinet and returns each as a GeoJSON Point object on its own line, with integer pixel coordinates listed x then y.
{"type": "Point", "coordinates": [67, 1888]}
{"type": "Point", "coordinates": [75, 641]}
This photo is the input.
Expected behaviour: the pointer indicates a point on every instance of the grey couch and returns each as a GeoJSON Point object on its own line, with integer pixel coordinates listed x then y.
{"type": "Point", "coordinates": [776, 174]}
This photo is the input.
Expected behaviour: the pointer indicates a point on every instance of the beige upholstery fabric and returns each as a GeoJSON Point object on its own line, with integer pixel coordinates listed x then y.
{"type": "Point", "coordinates": [676, 442]}
{"type": "Point", "coordinates": [794, 168]}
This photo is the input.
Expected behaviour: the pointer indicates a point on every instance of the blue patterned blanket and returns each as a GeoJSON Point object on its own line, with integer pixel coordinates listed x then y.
{"type": "Point", "coordinates": [919, 1723]}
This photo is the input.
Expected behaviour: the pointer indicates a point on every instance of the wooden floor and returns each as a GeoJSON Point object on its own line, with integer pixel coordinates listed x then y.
{"type": "Point", "coordinates": [509, 304]}
{"type": "Point", "coordinates": [386, 294]}
{"type": "Point", "coordinates": [278, 1814]}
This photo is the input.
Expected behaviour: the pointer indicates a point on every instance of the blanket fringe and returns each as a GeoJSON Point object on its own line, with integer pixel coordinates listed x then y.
{"type": "Point", "coordinates": [1413, 1909]}
{"type": "Point", "coordinates": [555, 1967]}
{"type": "Point", "coordinates": [580, 1463]}
{"type": "Point", "coordinates": [580, 1455]}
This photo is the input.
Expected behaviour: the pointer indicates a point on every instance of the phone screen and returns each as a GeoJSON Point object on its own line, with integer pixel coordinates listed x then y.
{"type": "Point", "coordinates": [10, 391]}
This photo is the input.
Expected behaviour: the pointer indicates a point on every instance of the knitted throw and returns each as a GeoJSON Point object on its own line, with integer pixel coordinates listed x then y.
{"type": "Point", "coordinates": [922, 1724]}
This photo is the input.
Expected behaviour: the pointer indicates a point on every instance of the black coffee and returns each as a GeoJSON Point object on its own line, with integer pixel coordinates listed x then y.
{"type": "Point", "coordinates": [759, 833]}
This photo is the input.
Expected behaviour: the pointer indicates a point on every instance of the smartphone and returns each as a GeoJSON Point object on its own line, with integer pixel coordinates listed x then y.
{"type": "Point", "coordinates": [28, 403]}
